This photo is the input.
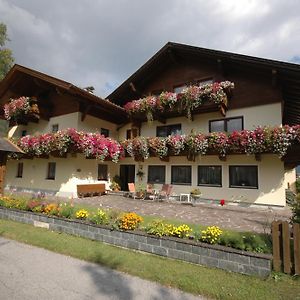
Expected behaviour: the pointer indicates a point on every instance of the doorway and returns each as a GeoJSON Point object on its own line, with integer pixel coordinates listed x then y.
{"type": "Point", "coordinates": [127, 175]}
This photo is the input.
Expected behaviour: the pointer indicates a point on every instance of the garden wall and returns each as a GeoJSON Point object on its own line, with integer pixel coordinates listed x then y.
{"type": "Point", "coordinates": [195, 252]}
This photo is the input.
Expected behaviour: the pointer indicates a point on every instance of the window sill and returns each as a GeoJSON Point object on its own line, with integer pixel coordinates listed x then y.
{"type": "Point", "coordinates": [243, 187]}
{"type": "Point", "coordinates": [50, 178]}
{"type": "Point", "coordinates": [210, 185]}
{"type": "Point", "coordinates": [178, 183]}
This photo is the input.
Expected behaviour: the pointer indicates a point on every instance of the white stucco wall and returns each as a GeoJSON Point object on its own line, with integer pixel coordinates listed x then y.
{"type": "Point", "coordinates": [92, 124]}
{"type": "Point", "coordinates": [290, 179]}
{"type": "Point", "coordinates": [43, 126]}
{"type": "Point", "coordinates": [69, 172]}
{"type": "Point", "coordinates": [264, 115]}
{"type": "Point", "coordinates": [271, 190]}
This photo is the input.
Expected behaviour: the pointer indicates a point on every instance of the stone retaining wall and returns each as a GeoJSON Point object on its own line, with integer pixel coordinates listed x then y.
{"type": "Point", "coordinates": [199, 253]}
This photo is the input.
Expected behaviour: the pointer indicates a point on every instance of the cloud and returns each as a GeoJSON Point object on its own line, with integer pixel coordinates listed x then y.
{"type": "Point", "coordinates": [101, 43]}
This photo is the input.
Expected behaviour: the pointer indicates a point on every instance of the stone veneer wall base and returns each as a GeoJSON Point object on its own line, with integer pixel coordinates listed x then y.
{"type": "Point", "coordinates": [194, 252]}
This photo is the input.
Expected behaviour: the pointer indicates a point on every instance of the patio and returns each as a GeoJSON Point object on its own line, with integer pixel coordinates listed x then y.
{"type": "Point", "coordinates": [238, 218]}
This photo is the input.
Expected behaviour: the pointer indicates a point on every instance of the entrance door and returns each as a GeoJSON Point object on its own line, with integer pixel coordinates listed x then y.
{"type": "Point", "coordinates": [127, 175]}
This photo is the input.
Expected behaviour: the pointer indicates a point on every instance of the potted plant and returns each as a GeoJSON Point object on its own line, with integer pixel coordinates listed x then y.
{"type": "Point", "coordinates": [116, 183]}
{"type": "Point", "coordinates": [195, 193]}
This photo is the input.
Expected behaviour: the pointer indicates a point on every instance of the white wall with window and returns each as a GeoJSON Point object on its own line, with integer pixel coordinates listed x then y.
{"type": "Point", "coordinates": [238, 179]}
{"type": "Point", "coordinates": [264, 115]}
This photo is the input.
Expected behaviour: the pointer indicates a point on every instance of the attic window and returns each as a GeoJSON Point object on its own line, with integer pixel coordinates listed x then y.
{"type": "Point", "coordinates": [178, 89]}
{"type": "Point", "coordinates": [206, 81]}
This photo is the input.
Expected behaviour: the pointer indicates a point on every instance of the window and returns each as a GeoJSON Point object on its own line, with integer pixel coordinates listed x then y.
{"type": "Point", "coordinates": [105, 132]}
{"type": "Point", "coordinates": [210, 175]}
{"type": "Point", "coordinates": [180, 88]}
{"type": "Point", "coordinates": [24, 133]}
{"type": "Point", "coordinates": [181, 175]}
{"type": "Point", "coordinates": [157, 92]}
{"type": "Point", "coordinates": [243, 177]}
{"type": "Point", "coordinates": [51, 170]}
{"type": "Point", "coordinates": [156, 174]}
{"type": "Point", "coordinates": [20, 170]}
{"type": "Point", "coordinates": [54, 128]}
{"type": "Point", "coordinates": [206, 81]}
{"type": "Point", "coordinates": [164, 131]}
{"type": "Point", "coordinates": [226, 125]}
{"type": "Point", "coordinates": [131, 133]}
{"type": "Point", "coordinates": [102, 172]}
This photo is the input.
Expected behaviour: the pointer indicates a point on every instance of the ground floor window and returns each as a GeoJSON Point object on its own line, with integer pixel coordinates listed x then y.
{"type": "Point", "coordinates": [181, 175]}
{"type": "Point", "coordinates": [210, 175]}
{"type": "Point", "coordinates": [102, 172]}
{"type": "Point", "coordinates": [243, 177]}
{"type": "Point", "coordinates": [20, 170]}
{"type": "Point", "coordinates": [51, 170]}
{"type": "Point", "coordinates": [156, 174]}
{"type": "Point", "coordinates": [105, 132]}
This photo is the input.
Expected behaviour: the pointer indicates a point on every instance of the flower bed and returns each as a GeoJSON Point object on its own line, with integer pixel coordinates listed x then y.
{"type": "Point", "coordinates": [176, 248]}
{"type": "Point", "coordinates": [128, 221]}
{"type": "Point", "coordinates": [188, 100]}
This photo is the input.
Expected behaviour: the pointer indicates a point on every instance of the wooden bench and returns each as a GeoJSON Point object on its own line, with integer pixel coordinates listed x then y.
{"type": "Point", "coordinates": [86, 190]}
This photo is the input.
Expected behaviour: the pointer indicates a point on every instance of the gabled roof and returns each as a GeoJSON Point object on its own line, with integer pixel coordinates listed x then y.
{"type": "Point", "coordinates": [287, 74]}
{"type": "Point", "coordinates": [8, 146]}
{"type": "Point", "coordinates": [17, 70]}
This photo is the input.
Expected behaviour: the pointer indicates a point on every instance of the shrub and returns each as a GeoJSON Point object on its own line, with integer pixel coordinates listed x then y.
{"type": "Point", "coordinates": [100, 217]}
{"type": "Point", "coordinates": [51, 209]}
{"type": "Point", "coordinates": [32, 204]}
{"type": "Point", "coordinates": [182, 231]}
{"type": "Point", "coordinates": [298, 185]}
{"type": "Point", "coordinates": [66, 210]}
{"type": "Point", "coordinates": [82, 214]}
{"type": "Point", "coordinates": [129, 221]}
{"type": "Point", "coordinates": [211, 235]}
{"type": "Point", "coordinates": [296, 210]}
{"type": "Point", "coordinates": [247, 241]}
{"type": "Point", "coordinates": [160, 228]}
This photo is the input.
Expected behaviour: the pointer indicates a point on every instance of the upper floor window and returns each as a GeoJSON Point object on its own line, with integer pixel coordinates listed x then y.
{"type": "Point", "coordinates": [206, 81]}
{"type": "Point", "coordinates": [105, 132]}
{"type": "Point", "coordinates": [227, 125]}
{"type": "Point", "coordinates": [180, 88]}
{"type": "Point", "coordinates": [54, 128]}
{"type": "Point", "coordinates": [164, 131]}
{"type": "Point", "coordinates": [24, 133]}
{"type": "Point", "coordinates": [131, 133]}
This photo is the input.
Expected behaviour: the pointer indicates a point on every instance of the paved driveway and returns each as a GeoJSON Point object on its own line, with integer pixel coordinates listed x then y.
{"type": "Point", "coordinates": [28, 272]}
{"type": "Point", "coordinates": [229, 216]}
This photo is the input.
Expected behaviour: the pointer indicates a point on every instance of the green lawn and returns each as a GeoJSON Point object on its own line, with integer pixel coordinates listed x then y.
{"type": "Point", "coordinates": [191, 278]}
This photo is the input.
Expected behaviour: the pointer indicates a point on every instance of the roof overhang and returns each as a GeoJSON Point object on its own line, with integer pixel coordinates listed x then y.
{"type": "Point", "coordinates": [286, 75]}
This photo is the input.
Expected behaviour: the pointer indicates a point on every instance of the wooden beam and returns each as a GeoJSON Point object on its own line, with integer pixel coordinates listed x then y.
{"type": "Point", "coordinates": [274, 78]}
{"type": "Point", "coordinates": [132, 86]}
{"type": "Point", "coordinates": [85, 112]}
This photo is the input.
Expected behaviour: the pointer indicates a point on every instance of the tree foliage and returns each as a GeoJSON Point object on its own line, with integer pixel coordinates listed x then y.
{"type": "Point", "coordinates": [6, 58]}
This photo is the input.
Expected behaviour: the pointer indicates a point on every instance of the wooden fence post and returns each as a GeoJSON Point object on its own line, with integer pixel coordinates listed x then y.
{"type": "Point", "coordinates": [276, 246]}
{"type": "Point", "coordinates": [286, 248]}
{"type": "Point", "coordinates": [296, 234]}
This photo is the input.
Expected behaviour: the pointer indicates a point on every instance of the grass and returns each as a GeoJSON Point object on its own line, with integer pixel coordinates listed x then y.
{"type": "Point", "coordinates": [190, 278]}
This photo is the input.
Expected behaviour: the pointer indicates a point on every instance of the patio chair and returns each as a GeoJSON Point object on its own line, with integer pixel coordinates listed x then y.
{"type": "Point", "coordinates": [165, 192]}
{"type": "Point", "coordinates": [150, 192]}
{"type": "Point", "coordinates": [133, 193]}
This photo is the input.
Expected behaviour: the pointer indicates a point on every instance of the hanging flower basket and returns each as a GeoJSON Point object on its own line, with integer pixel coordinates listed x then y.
{"type": "Point", "coordinates": [190, 99]}
{"type": "Point", "coordinates": [22, 110]}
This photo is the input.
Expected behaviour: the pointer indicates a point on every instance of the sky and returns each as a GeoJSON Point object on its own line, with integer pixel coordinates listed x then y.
{"type": "Point", "coordinates": [101, 43]}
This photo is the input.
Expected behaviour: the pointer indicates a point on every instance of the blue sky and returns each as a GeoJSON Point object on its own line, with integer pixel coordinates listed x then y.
{"type": "Point", "coordinates": [101, 43]}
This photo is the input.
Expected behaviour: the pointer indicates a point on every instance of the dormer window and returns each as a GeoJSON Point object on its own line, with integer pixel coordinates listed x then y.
{"type": "Point", "coordinates": [180, 88]}
{"type": "Point", "coordinates": [54, 128]}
